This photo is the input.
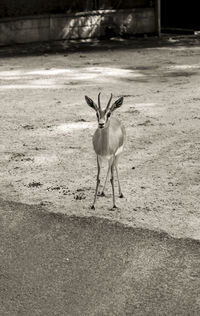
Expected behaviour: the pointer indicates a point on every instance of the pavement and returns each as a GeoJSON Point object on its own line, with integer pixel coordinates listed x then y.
{"type": "Point", "coordinates": [52, 264]}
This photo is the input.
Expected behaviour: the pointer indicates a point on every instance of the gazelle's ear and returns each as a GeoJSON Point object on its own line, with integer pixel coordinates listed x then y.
{"type": "Point", "coordinates": [117, 104]}
{"type": "Point", "coordinates": [91, 103]}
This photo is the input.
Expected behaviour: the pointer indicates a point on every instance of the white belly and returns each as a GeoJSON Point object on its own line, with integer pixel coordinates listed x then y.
{"type": "Point", "coordinates": [106, 157]}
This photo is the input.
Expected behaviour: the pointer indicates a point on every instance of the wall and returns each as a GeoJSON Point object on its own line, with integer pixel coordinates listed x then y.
{"type": "Point", "coordinates": [77, 26]}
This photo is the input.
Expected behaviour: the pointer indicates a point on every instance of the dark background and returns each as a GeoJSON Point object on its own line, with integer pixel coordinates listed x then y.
{"type": "Point", "coordinates": [180, 14]}
{"type": "Point", "coordinates": [13, 8]}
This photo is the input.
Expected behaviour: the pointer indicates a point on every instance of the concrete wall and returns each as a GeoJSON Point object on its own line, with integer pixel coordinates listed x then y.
{"type": "Point", "coordinates": [77, 26]}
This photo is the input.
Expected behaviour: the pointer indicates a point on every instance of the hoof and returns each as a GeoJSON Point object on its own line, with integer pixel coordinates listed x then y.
{"type": "Point", "coordinates": [92, 207]}
{"type": "Point", "coordinates": [102, 194]}
{"type": "Point", "coordinates": [121, 196]}
{"type": "Point", "coordinates": [114, 208]}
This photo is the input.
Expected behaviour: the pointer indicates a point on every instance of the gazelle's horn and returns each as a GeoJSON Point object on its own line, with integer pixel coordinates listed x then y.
{"type": "Point", "coordinates": [109, 102]}
{"type": "Point", "coordinates": [99, 100]}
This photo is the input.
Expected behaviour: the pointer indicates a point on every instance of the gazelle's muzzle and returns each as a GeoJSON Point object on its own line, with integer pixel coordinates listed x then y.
{"type": "Point", "coordinates": [101, 125]}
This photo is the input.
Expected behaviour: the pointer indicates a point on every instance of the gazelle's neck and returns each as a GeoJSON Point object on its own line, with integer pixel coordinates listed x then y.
{"type": "Point", "coordinates": [104, 139]}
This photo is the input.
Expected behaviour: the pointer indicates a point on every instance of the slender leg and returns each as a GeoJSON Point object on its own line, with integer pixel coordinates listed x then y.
{"type": "Point", "coordinates": [97, 183]}
{"type": "Point", "coordinates": [119, 186]}
{"type": "Point", "coordinates": [102, 192]}
{"type": "Point", "coordinates": [112, 183]}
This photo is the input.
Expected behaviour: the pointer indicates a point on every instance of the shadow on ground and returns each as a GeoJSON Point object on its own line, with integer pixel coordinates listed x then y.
{"type": "Point", "coordinates": [119, 43]}
{"type": "Point", "coordinates": [52, 264]}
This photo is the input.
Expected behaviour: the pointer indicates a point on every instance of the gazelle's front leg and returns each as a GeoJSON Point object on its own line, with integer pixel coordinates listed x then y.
{"type": "Point", "coordinates": [104, 186]}
{"type": "Point", "coordinates": [97, 183]}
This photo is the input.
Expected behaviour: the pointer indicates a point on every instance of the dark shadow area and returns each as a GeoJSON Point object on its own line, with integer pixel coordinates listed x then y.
{"type": "Point", "coordinates": [180, 15]}
{"type": "Point", "coordinates": [141, 80]}
{"type": "Point", "coordinates": [143, 68]}
{"type": "Point", "coordinates": [180, 74]}
{"type": "Point", "coordinates": [120, 43]}
{"type": "Point", "coordinates": [11, 8]}
{"type": "Point", "coordinates": [52, 264]}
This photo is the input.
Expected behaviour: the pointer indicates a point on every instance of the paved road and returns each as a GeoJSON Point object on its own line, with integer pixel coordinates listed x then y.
{"type": "Point", "coordinates": [52, 264]}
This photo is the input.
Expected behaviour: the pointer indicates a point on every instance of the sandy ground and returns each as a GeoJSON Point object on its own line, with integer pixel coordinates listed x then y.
{"type": "Point", "coordinates": [48, 164]}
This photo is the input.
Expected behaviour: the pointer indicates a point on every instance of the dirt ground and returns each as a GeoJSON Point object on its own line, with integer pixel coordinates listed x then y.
{"type": "Point", "coordinates": [48, 164]}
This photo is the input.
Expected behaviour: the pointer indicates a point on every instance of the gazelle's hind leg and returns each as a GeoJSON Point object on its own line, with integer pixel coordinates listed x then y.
{"type": "Point", "coordinates": [98, 182]}
{"type": "Point", "coordinates": [112, 180]}
{"type": "Point", "coordinates": [116, 168]}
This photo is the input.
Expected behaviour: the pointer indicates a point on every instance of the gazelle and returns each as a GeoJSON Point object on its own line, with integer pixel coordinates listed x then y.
{"type": "Point", "coordinates": [108, 142]}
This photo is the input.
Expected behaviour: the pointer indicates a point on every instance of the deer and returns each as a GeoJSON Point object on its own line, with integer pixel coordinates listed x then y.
{"type": "Point", "coordinates": [108, 143]}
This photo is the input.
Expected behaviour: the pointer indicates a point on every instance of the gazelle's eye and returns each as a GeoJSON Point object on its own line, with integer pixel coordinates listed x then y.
{"type": "Point", "coordinates": [108, 114]}
{"type": "Point", "coordinates": [97, 114]}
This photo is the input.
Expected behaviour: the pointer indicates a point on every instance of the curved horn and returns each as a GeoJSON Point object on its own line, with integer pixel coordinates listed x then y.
{"type": "Point", "coordinates": [99, 100]}
{"type": "Point", "coordinates": [109, 102]}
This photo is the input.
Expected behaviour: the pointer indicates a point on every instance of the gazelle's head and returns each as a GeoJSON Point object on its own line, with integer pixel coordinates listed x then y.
{"type": "Point", "coordinates": [103, 116]}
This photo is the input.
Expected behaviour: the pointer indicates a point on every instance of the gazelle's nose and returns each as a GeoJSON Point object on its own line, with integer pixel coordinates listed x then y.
{"type": "Point", "coordinates": [101, 125]}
